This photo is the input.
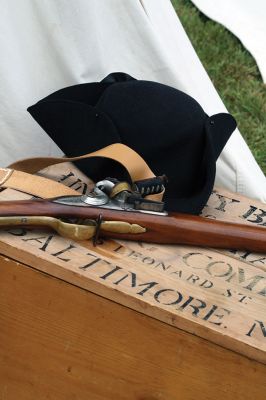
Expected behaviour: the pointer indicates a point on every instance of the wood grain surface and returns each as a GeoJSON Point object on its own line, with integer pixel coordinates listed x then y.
{"type": "Point", "coordinates": [58, 341]}
{"type": "Point", "coordinates": [144, 321]}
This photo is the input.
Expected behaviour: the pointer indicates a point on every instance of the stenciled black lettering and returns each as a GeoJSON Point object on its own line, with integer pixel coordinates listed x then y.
{"type": "Point", "coordinates": [219, 316]}
{"type": "Point", "coordinates": [254, 279]}
{"type": "Point", "coordinates": [249, 212]}
{"type": "Point", "coordinates": [261, 326]}
{"type": "Point", "coordinates": [113, 271]}
{"type": "Point", "coordinates": [243, 297]}
{"type": "Point", "coordinates": [148, 260]}
{"type": "Point", "coordinates": [233, 294]}
{"type": "Point", "coordinates": [261, 260]}
{"type": "Point", "coordinates": [172, 291]}
{"type": "Point", "coordinates": [196, 308]}
{"type": "Point", "coordinates": [239, 253]}
{"type": "Point", "coordinates": [57, 254]}
{"type": "Point", "coordinates": [91, 263]}
{"type": "Point", "coordinates": [211, 269]}
{"type": "Point", "coordinates": [135, 255]}
{"type": "Point", "coordinates": [132, 277]}
{"type": "Point", "coordinates": [262, 292]}
{"type": "Point", "coordinates": [162, 265]}
{"type": "Point", "coordinates": [224, 202]}
{"type": "Point", "coordinates": [124, 277]}
{"type": "Point", "coordinates": [148, 286]}
{"type": "Point", "coordinates": [190, 258]}
{"type": "Point", "coordinates": [228, 293]}
{"type": "Point", "coordinates": [231, 277]}
{"type": "Point", "coordinates": [44, 240]}
{"type": "Point", "coordinates": [179, 273]}
{"type": "Point", "coordinates": [64, 177]}
{"type": "Point", "coordinates": [210, 312]}
{"type": "Point", "coordinates": [79, 184]}
{"type": "Point", "coordinates": [120, 247]}
{"type": "Point", "coordinates": [258, 214]}
{"type": "Point", "coordinates": [249, 256]}
{"type": "Point", "coordinates": [193, 278]}
{"type": "Point", "coordinates": [206, 284]}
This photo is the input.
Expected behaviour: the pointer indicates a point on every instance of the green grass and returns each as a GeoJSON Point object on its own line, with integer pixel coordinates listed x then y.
{"type": "Point", "coordinates": [233, 72]}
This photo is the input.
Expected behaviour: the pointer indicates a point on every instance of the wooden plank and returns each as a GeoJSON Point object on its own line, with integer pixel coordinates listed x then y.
{"type": "Point", "coordinates": [59, 341]}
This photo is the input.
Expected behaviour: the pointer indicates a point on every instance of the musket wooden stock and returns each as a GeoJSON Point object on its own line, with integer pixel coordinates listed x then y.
{"type": "Point", "coordinates": [172, 229]}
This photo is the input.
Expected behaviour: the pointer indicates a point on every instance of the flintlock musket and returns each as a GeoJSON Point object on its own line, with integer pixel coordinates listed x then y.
{"type": "Point", "coordinates": [114, 210]}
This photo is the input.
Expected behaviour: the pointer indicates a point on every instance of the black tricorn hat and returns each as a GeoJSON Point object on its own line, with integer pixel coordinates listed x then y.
{"type": "Point", "coordinates": [167, 127]}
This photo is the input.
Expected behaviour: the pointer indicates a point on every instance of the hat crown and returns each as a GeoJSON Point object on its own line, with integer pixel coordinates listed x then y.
{"type": "Point", "coordinates": [167, 127]}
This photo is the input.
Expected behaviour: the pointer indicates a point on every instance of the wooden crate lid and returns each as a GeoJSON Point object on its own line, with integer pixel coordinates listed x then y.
{"type": "Point", "coordinates": [219, 295]}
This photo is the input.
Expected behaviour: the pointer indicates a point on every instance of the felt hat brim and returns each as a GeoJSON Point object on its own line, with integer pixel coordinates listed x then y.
{"type": "Point", "coordinates": [218, 129]}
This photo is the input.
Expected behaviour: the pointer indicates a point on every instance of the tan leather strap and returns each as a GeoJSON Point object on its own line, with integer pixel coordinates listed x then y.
{"type": "Point", "coordinates": [18, 175]}
{"type": "Point", "coordinates": [137, 168]}
{"type": "Point", "coordinates": [33, 184]}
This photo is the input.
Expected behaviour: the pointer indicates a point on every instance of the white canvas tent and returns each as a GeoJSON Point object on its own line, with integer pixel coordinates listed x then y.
{"type": "Point", "coordinates": [246, 19]}
{"type": "Point", "coordinates": [46, 45]}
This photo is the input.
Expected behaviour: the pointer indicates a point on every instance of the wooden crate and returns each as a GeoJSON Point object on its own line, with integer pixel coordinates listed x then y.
{"type": "Point", "coordinates": [131, 320]}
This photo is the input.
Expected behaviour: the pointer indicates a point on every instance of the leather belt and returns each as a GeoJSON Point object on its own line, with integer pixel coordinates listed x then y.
{"type": "Point", "coordinates": [19, 175]}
